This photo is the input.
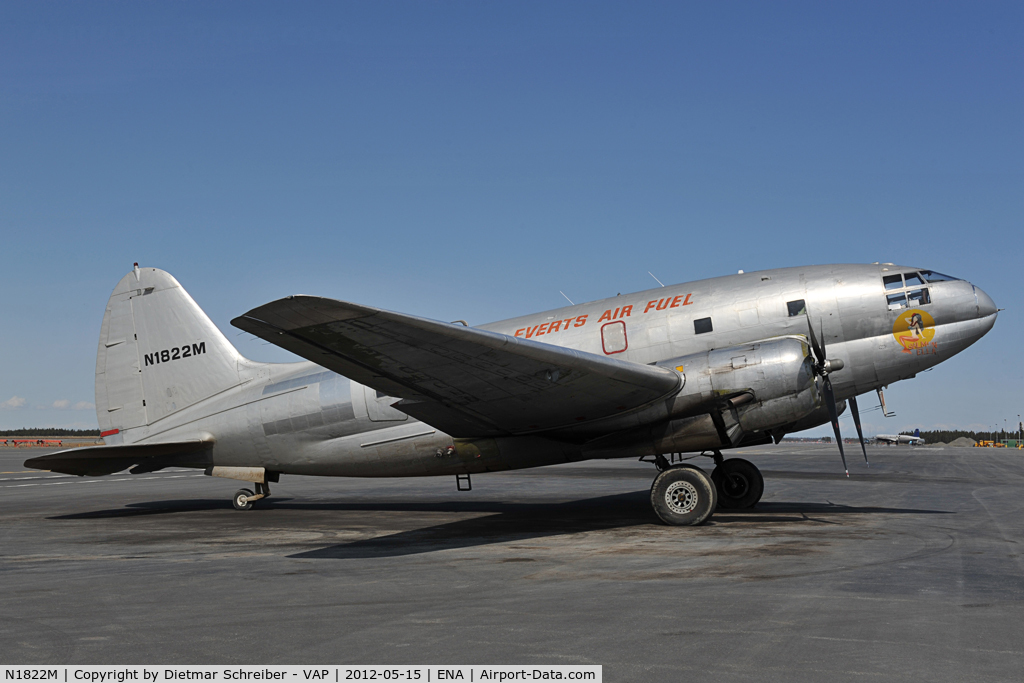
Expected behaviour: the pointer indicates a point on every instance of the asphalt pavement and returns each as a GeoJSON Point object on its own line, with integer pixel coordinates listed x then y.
{"type": "Point", "coordinates": [909, 570]}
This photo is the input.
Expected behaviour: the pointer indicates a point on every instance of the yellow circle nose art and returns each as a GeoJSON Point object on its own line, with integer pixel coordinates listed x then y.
{"type": "Point", "coordinates": [914, 329]}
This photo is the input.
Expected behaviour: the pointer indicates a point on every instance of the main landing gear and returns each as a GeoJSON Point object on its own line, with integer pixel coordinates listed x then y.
{"type": "Point", "coordinates": [244, 498]}
{"type": "Point", "coordinates": [684, 494]}
{"type": "Point", "coordinates": [739, 483]}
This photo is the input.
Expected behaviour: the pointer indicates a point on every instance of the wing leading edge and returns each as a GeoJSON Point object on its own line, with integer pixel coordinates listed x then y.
{"type": "Point", "coordinates": [461, 380]}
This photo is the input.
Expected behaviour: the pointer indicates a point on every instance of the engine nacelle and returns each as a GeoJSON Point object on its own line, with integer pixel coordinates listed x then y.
{"type": "Point", "coordinates": [729, 395]}
{"type": "Point", "coordinates": [765, 370]}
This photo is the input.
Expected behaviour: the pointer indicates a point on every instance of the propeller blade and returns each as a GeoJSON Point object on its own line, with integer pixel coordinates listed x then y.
{"type": "Point", "coordinates": [819, 352]}
{"type": "Point", "coordinates": [860, 433]}
{"type": "Point", "coordinates": [830, 399]}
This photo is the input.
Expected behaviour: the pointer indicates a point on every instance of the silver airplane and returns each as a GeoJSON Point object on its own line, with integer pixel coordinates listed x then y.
{"type": "Point", "coordinates": [699, 367]}
{"type": "Point", "coordinates": [897, 439]}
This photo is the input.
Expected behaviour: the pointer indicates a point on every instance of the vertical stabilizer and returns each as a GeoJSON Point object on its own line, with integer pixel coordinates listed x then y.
{"type": "Point", "coordinates": [158, 354]}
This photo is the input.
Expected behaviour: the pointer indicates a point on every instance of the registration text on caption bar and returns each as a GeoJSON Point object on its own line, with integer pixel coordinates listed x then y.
{"type": "Point", "coordinates": [294, 673]}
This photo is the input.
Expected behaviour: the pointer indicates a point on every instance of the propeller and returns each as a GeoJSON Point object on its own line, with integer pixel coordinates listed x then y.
{"type": "Point", "coordinates": [855, 411]}
{"type": "Point", "coordinates": [822, 367]}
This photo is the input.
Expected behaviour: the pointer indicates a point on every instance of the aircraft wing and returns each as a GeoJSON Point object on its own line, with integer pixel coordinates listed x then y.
{"type": "Point", "coordinates": [98, 460]}
{"type": "Point", "coordinates": [461, 380]}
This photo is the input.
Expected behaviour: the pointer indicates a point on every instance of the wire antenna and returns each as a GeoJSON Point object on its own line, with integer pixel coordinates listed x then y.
{"type": "Point", "coordinates": [566, 298]}
{"type": "Point", "coordinates": [655, 278]}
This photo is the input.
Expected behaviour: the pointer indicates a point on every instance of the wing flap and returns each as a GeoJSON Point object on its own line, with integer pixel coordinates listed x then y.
{"type": "Point", "coordinates": [462, 380]}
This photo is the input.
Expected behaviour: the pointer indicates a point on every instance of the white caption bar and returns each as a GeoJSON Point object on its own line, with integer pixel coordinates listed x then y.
{"type": "Point", "coordinates": [313, 674]}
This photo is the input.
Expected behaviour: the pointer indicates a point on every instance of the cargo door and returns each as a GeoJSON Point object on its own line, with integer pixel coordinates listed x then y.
{"type": "Point", "coordinates": [613, 337]}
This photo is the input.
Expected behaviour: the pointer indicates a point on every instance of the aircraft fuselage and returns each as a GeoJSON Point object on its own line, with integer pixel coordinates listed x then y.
{"type": "Point", "coordinates": [301, 419]}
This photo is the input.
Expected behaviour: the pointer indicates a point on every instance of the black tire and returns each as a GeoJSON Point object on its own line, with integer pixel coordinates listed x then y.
{"type": "Point", "coordinates": [240, 502]}
{"type": "Point", "coordinates": [683, 496]}
{"type": "Point", "coordinates": [739, 484]}
{"type": "Point", "coordinates": [714, 489]}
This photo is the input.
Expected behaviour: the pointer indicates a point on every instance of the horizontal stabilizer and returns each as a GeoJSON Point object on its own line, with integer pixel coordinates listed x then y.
{"type": "Point", "coordinates": [464, 381]}
{"type": "Point", "coordinates": [99, 460]}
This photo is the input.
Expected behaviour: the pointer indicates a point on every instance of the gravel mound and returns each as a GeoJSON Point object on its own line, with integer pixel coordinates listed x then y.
{"type": "Point", "coordinates": [962, 442]}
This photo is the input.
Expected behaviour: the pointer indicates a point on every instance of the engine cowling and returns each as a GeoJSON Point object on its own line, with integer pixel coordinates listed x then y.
{"type": "Point", "coordinates": [768, 383]}
{"type": "Point", "coordinates": [729, 396]}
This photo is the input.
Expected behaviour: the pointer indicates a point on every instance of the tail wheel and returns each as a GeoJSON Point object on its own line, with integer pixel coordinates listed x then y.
{"type": "Point", "coordinates": [739, 483]}
{"type": "Point", "coordinates": [241, 500]}
{"type": "Point", "coordinates": [683, 496]}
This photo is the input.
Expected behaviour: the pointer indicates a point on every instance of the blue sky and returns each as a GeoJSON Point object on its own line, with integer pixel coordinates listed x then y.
{"type": "Point", "coordinates": [469, 160]}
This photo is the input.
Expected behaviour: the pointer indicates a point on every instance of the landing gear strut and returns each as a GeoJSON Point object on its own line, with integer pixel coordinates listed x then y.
{"type": "Point", "coordinates": [244, 498]}
{"type": "Point", "coordinates": [738, 481]}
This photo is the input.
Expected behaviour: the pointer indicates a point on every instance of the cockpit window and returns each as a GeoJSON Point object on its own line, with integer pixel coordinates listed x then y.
{"type": "Point", "coordinates": [893, 281]}
{"type": "Point", "coordinates": [896, 301]}
{"type": "Point", "coordinates": [913, 279]}
{"type": "Point", "coordinates": [932, 276]}
{"type": "Point", "coordinates": [918, 297]}
{"type": "Point", "coordinates": [796, 308]}
{"type": "Point", "coordinates": [909, 297]}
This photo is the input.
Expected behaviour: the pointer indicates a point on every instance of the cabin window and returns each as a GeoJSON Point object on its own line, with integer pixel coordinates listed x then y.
{"type": "Point", "coordinates": [893, 281]}
{"type": "Point", "coordinates": [613, 337]}
{"type": "Point", "coordinates": [702, 325]}
{"type": "Point", "coordinates": [913, 279]}
{"type": "Point", "coordinates": [932, 276]}
{"type": "Point", "coordinates": [896, 301]}
{"type": "Point", "coordinates": [918, 297]}
{"type": "Point", "coordinates": [796, 308]}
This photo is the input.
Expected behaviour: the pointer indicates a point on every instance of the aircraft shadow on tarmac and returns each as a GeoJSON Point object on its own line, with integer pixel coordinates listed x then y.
{"type": "Point", "coordinates": [523, 522]}
{"type": "Point", "coordinates": [500, 522]}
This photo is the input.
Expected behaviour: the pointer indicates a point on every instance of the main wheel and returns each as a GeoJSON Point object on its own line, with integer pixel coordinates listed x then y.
{"type": "Point", "coordinates": [714, 501]}
{"type": "Point", "coordinates": [739, 483]}
{"type": "Point", "coordinates": [683, 496]}
{"type": "Point", "coordinates": [241, 500]}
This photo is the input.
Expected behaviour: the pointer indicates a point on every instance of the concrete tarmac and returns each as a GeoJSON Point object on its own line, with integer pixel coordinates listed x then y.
{"type": "Point", "coordinates": [909, 570]}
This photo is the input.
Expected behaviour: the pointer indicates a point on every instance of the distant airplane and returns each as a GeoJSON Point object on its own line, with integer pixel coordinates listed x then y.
{"type": "Point", "coordinates": [700, 367]}
{"type": "Point", "coordinates": [915, 440]}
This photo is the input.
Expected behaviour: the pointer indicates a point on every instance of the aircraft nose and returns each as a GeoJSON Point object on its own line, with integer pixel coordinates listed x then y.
{"type": "Point", "coordinates": [986, 306]}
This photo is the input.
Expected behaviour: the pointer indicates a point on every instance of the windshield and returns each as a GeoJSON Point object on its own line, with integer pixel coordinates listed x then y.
{"type": "Point", "coordinates": [932, 276]}
{"type": "Point", "coordinates": [913, 279]}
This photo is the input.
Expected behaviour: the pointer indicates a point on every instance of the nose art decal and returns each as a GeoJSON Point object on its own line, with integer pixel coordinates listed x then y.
{"type": "Point", "coordinates": [914, 330]}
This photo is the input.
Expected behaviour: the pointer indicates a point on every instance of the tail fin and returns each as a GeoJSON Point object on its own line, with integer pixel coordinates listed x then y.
{"type": "Point", "coordinates": [158, 353]}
